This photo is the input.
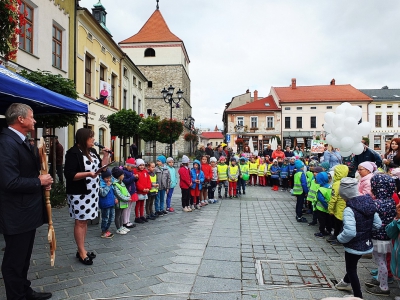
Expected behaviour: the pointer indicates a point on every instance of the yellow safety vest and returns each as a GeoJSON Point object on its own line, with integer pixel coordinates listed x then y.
{"type": "Point", "coordinates": [269, 169]}
{"type": "Point", "coordinates": [261, 170]}
{"type": "Point", "coordinates": [233, 170]}
{"type": "Point", "coordinates": [222, 172]}
{"type": "Point", "coordinates": [153, 180]}
{"type": "Point", "coordinates": [253, 168]}
{"type": "Point", "coordinates": [297, 187]}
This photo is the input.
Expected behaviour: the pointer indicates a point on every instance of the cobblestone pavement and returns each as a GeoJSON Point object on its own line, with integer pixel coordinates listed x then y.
{"type": "Point", "coordinates": [246, 248]}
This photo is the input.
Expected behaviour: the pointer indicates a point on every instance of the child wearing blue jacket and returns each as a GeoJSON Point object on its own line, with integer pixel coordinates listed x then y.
{"type": "Point", "coordinates": [324, 193]}
{"type": "Point", "coordinates": [174, 181]}
{"type": "Point", "coordinates": [130, 183]}
{"type": "Point", "coordinates": [275, 175]}
{"type": "Point", "coordinates": [300, 190]}
{"type": "Point", "coordinates": [197, 177]}
{"type": "Point", "coordinates": [359, 218]}
{"type": "Point", "coordinates": [106, 204]}
{"type": "Point", "coordinates": [284, 174]}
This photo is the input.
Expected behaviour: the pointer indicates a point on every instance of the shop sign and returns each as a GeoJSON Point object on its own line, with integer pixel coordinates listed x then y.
{"type": "Point", "coordinates": [103, 118]}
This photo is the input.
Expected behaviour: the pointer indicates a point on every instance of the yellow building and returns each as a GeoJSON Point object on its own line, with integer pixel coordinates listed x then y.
{"type": "Point", "coordinates": [106, 79]}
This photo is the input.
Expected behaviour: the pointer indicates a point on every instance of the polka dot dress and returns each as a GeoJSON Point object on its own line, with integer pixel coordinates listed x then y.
{"type": "Point", "coordinates": [85, 207]}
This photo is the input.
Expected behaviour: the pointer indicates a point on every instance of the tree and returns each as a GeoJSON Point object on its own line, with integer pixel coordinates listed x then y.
{"type": "Point", "coordinates": [60, 85]}
{"type": "Point", "coordinates": [124, 124]}
{"type": "Point", "coordinates": [11, 22]}
{"type": "Point", "coordinates": [148, 131]}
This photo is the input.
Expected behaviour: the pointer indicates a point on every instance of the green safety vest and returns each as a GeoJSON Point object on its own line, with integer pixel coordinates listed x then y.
{"type": "Point", "coordinates": [124, 191]}
{"type": "Point", "coordinates": [297, 188]}
{"type": "Point", "coordinates": [253, 168]}
{"type": "Point", "coordinates": [309, 178]}
{"type": "Point", "coordinates": [153, 180]}
{"type": "Point", "coordinates": [222, 172]}
{"type": "Point", "coordinates": [244, 168]}
{"type": "Point", "coordinates": [269, 169]}
{"type": "Point", "coordinates": [312, 193]}
{"type": "Point", "coordinates": [233, 170]}
{"type": "Point", "coordinates": [327, 193]}
{"type": "Point", "coordinates": [261, 169]}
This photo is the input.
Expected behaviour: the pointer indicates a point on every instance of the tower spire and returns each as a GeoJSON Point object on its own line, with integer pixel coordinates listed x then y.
{"type": "Point", "coordinates": [157, 4]}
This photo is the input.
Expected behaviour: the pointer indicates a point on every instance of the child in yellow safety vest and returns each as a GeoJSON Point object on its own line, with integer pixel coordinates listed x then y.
{"type": "Point", "coordinates": [222, 170]}
{"type": "Point", "coordinates": [253, 170]}
{"type": "Point", "coordinates": [262, 169]}
{"type": "Point", "coordinates": [233, 176]}
{"type": "Point", "coordinates": [244, 170]}
{"type": "Point", "coordinates": [300, 190]}
{"type": "Point", "coordinates": [323, 196]}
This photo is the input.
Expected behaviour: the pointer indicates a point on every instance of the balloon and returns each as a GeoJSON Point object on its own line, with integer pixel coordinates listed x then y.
{"type": "Point", "coordinates": [354, 111]}
{"type": "Point", "coordinates": [354, 135]}
{"type": "Point", "coordinates": [346, 143]}
{"type": "Point", "coordinates": [335, 142]}
{"type": "Point", "coordinates": [338, 120]}
{"type": "Point", "coordinates": [328, 117]}
{"type": "Point", "coordinates": [329, 138]}
{"type": "Point", "coordinates": [350, 123]}
{"type": "Point", "coordinates": [341, 110]}
{"type": "Point", "coordinates": [346, 104]}
{"type": "Point", "coordinates": [340, 132]}
{"type": "Point", "coordinates": [358, 148]}
{"type": "Point", "coordinates": [364, 128]}
{"type": "Point", "coordinates": [327, 127]}
{"type": "Point", "coordinates": [245, 176]}
{"type": "Point", "coordinates": [345, 153]}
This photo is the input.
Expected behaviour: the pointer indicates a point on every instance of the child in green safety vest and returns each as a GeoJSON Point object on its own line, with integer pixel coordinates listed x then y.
{"type": "Point", "coordinates": [244, 169]}
{"type": "Point", "coordinates": [300, 190]}
{"type": "Point", "coordinates": [233, 176]}
{"type": "Point", "coordinates": [222, 170]}
{"type": "Point", "coordinates": [122, 196]}
{"type": "Point", "coordinates": [253, 169]}
{"type": "Point", "coordinates": [324, 193]}
{"type": "Point", "coordinates": [261, 172]}
{"type": "Point", "coordinates": [312, 195]}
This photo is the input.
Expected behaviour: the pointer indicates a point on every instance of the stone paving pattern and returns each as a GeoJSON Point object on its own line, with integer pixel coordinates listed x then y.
{"type": "Point", "coordinates": [207, 254]}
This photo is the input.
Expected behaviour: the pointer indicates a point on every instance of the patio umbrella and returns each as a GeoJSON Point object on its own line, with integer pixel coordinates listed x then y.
{"type": "Point", "coordinates": [274, 143]}
{"type": "Point", "coordinates": [251, 146]}
{"type": "Point", "coordinates": [15, 88]}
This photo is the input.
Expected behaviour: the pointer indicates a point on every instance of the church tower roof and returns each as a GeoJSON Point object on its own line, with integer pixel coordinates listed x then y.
{"type": "Point", "coordinates": [155, 30]}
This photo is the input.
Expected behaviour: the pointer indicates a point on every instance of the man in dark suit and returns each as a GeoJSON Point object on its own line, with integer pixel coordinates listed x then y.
{"type": "Point", "coordinates": [22, 208]}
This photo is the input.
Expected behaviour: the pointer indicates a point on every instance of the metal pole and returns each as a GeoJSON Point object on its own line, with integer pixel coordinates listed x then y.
{"type": "Point", "coordinates": [170, 133]}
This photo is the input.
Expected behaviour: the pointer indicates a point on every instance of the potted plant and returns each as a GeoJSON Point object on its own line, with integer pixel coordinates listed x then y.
{"type": "Point", "coordinates": [239, 141]}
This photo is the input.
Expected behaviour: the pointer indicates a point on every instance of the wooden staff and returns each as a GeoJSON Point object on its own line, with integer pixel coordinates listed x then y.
{"type": "Point", "coordinates": [51, 235]}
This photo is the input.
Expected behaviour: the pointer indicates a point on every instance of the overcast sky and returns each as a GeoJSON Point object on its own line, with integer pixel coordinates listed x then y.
{"type": "Point", "coordinates": [237, 45]}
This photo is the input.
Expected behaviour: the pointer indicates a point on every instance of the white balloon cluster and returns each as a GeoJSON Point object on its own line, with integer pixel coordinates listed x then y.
{"type": "Point", "coordinates": [344, 131]}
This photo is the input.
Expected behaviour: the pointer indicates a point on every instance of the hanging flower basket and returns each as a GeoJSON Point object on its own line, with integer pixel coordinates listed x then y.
{"type": "Point", "coordinates": [168, 126]}
{"type": "Point", "coordinates": [239, 141]}
{"type": "Point", "coordinates": [190, 137]}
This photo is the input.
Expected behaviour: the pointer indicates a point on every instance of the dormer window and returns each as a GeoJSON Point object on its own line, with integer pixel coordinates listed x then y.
{"type": "Point", "coordinates": [149, 52]}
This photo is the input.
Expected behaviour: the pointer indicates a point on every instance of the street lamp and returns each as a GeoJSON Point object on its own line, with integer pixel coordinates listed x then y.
{"type": "Point", "coordinates": [167, 95]}
{"type": "Point", "coordinates": [189, 124]}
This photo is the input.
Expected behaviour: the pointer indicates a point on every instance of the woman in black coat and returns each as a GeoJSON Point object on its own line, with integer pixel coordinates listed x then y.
{"type": "Point", "coordinates": [82, 169]}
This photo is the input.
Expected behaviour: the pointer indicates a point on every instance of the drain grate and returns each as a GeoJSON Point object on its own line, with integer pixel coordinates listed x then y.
{"type": "Point", "coordinates": [290, 273]}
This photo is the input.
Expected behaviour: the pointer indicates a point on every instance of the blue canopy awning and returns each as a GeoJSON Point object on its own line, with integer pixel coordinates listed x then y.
{"type": "Point", "coordinates": [15, 88]}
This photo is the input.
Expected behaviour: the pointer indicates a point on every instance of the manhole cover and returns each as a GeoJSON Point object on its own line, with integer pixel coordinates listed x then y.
{"type": "Point", "coordinates": [291, 273]}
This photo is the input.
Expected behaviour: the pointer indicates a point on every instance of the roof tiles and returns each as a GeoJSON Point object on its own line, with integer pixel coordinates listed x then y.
{"type": "Point", "coordinates": [212, 135]}
{"type": "Point", "coordinates": [262, 104]}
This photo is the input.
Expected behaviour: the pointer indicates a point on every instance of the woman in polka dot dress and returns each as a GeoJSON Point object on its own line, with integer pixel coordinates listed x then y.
{"type": "Point", "coordinates": [81, 171]}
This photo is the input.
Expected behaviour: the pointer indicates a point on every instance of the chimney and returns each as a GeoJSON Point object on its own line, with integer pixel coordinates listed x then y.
{"type": "Point", "coordinates": [333, 81]}
{"type": "Point", "coordinates": [255, 95]}
{"type": "Point", "coordinates": [247, 91]}
{"type": "Point", "coordinates": [293, 83]}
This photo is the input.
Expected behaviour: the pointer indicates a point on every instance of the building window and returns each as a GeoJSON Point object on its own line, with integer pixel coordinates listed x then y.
{"type": "Point", "coordinates": [254, 122]}
{"type": "Point", "coordinates": [124, 97]}
{"type": "Point", "coordinates": [149, 52]}
{"type": "Point", "coordinates": [240, 121]}
{"type": "Point", "coordinates": [139, 107]}
{"type": "Point", "coordinates": [113, 95]}
{"type": "Point", "coordinates": [26, 36]}
{"type": "Point", "coordinates": [103, 49]}
{"type": "Point", "coordinates": [377, 142]}
{"type": "Point", "coordinates": [313, 122]}
{"type": "Point", "coordinates": [287, 108]}
{"type": "Point", "coordinates": [140, 85]}
{"type": "Point", "coordinates": [88, 75]}
{"type": "Point", "coordinates": [313, 107]}
{"type": "Point", "coordinates": [134, 80]}
{"type": "Point", "coordinates": [389, 106]}
{"type": "Point", "coordinates": [134, 103]}
{"type": "Point", "coordinates": [57, 47]}
{"type": "Point", "coordinates": [114, 60]}
{"type": "Point", "coordinates": [299, 108]}
{"type": "Point", "coordinates": [101, 136]}
{"type": "Point", "coordinates": [377, 106]}
{"type": "Point", "coordinates": [329, 107]}
{"type": "Point", "coordinates": [389, 120]}
{"type": "Point", "coordinates": [287, 122]}
{"type": "Point", "coordinates": [398, 120]}
{"type": "Point", "coordinates": [299, 122]}
{"type": "Point", "coordinates": [149, 84]}
{"type": "Point", "coordinates": [102, 73]}
{"type": "Point", "coordinates": [270, 122]}
{"type": "Point", "coordinates": [125, 72]}
{"type": "Point", "coordinates": [90, 37]}
{"type": "Point", "coordinates": [378, 121]}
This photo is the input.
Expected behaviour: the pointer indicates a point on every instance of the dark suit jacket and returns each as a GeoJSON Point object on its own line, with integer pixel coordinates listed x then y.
{"type": "Point", "coordinates": [22, 207]}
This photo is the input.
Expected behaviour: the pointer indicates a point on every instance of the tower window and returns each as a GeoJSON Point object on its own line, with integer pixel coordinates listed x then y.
{"type": "Point", "coordinates": [149, 52]}
{"type": "Point", "coordinates": [149, 84]}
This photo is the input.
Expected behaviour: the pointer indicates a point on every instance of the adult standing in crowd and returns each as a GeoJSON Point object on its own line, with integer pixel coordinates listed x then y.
{"type": "Point", "coordinates": [288, 152]}
{"type": "Point", "coordinates": [82, 168]}
{"type": "Point", "coordinates": [35, 151]}
{"type": "Point", "coordinates": [267, 151]}
{"type": "Point", "coordinates": [392, 157]}
{"type": "Point", "coordinates": [367, 155]}
{"type": "Point", "coordinates": [59, 159]}
{"type": "Point", "coordinates": [209, 151]}
{"type": "Point", "coordinates": [298, 152]}
{"type": "Point", "coordinates": [133, 150]}
{"type": "Point", "coordinates": [332, 156]}
{"type": "Point", "coordinates": [278, 153]}
{"type": "Point", "coordinates": [246, 152]}
{"type": "Point", "coordinates": [200, 152]}
{"type": "Point", "coordinates": [22, 208]}
{"type": "Point", "coordinates": [219, 152]}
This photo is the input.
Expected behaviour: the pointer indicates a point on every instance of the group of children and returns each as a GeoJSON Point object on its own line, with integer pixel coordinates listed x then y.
{"type": "Point", "coordinates": [359, 222]}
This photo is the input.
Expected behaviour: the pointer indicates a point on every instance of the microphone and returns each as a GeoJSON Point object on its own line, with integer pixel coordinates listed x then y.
{"type": "Point", "coordinates": [101, 147]}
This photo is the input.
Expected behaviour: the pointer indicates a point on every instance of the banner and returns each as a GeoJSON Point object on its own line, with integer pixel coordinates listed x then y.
{"type": "Point", "coordinates": [105, 93]}
{"type": "Point", "coordinates": [317, 146]}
